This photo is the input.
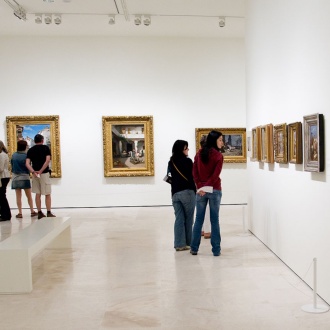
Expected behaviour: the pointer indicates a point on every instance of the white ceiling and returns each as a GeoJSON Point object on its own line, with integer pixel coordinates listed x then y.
{"type": "Point", "coordinates": [182, 18]}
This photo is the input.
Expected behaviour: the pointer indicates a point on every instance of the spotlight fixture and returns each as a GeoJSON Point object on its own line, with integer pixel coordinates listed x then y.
{"type": "Point", "coordinates": [112, 19]}
{"type": "Point", "coordinates": [137, 20]}
{"type": "Point", "coordinates": [48, 19]}
{"type": "Point", "coordinates": [19, 11]}
{"type": "Point", "coordinates": [222, 21]}
{"type": "Point", "coordinates": [38, 18]}
{"type": "Point", "coordinates": [147, 20]}
{"type": "Point", "coordinates": [58, 19]}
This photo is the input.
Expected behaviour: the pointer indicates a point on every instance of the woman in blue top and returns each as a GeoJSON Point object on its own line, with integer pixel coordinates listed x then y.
{"type": "Point", "coordinates": [21, 178]}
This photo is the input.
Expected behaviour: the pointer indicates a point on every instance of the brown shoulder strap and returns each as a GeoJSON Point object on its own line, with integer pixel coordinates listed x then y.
{"type": "Point", "coordinates": [179, 172]}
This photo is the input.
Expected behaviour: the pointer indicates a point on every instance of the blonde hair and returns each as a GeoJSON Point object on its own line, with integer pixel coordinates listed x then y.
{"type": "Point", "coordinates": [3, 148]}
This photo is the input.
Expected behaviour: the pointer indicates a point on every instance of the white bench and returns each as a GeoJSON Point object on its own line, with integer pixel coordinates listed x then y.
{"type": "Point", "coordinates": [16, 251]}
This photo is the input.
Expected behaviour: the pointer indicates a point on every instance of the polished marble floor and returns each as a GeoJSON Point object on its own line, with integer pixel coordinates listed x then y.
{"type": "Point", "coordinates": [123, 273]}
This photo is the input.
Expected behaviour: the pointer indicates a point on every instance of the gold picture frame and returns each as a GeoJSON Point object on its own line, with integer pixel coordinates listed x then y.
{"type": "Point", "coordinates": [281, 143]}
{"type": "Point", "coordinates": [26, 127]}
{"type": "Point", "coordinates": [265, 146]}
{"type": "Point", "coordinates": [255, 143]}
{"type": "Point", "coordinates": [234, 143]}
{"type": "Point", "coordinates": [128, 146]}
{"type": "Point", "coordinates": [295, 152]}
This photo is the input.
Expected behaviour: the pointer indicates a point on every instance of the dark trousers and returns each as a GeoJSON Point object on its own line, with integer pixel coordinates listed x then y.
{"type": "Point", "coordinates": [4, 206]}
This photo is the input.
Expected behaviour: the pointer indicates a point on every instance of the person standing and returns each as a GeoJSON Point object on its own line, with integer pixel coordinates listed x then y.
{"type": "Point", "coordinates": [21, 178]}
{"type": "Point", "coordinates": [206, 172]}
{"type": "Point", "coordinates": [37, 162]}
{"type": "Point", "coordinates": [5, 177]}
{"type": "Point", "coordinates": [183, 194]}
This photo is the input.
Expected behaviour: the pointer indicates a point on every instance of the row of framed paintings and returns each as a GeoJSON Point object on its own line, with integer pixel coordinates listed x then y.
{"type": "Point", "coordinates": [285, 143]}
{"type": "Point", "coordinates": [128, 144]}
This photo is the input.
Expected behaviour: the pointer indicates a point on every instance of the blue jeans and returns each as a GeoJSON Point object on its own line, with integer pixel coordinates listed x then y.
{"type": "Point", "coordinates": [214, 200]}
{"type": "Point", "coordinates": [184, 207]}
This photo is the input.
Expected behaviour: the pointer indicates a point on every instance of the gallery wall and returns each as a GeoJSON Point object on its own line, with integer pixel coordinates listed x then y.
{"type": "Point", "coordinates": [288, 77]}
{"type": "Point", "coordinates": [183, 83]}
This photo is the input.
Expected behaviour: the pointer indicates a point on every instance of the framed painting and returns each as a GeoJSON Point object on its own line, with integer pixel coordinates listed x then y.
{"type": "Point", "coordinates": [281, 143]}
{"type": "Point", "coordinates": [255, 143]}
{"type": "Point", "coordinates": [26, 127]}
{"type": "Point", "coordinates": [128, 146]}
{"type": "Point", "coordinates": [295, 143]}
{"type": "Point", "coordinates": [314, 143]}
{"type": "Point", "coordinates": [266, 153]}
{"type": "Point", "coordinates": [234, 150]}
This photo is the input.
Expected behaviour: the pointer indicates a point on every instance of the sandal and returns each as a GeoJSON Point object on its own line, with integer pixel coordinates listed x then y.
{"type": "Point", "coordinates": [34, 213]}
{"type": "Point", "coordinates": [19, 216]}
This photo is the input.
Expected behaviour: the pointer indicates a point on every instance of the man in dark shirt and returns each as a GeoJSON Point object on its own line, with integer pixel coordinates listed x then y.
{"type": "Point", "coordinates": [37, 161]}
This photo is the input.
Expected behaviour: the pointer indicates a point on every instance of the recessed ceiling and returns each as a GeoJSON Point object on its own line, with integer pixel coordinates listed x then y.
{"type": "Point", "coordinates": [181, 18]}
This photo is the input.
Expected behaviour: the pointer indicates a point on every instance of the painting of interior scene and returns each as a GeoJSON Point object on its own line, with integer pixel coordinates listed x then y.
{"type": "Point", "coordinates": [128, 146]}
{"type": "Point", "coordinates": [232, 145]}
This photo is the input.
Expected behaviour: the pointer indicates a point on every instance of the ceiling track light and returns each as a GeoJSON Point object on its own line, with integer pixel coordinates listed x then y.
{"type": "Point", "coordinates": [222, 21]}
{"type": "Point", "coordinates": [19, 11]}
{"type": "Point", "coordinates": [137, 20]}
{"type": "Point", "coordinates": [147, 20]}
{"type": "Point", "coordinates": [48, 19]}
{"type": "Point", "coordinates": [38, 18]}
{"type": "Point", "coordinates": [57, 19]}
{"type": "Point", "coordinates": [112, 19]}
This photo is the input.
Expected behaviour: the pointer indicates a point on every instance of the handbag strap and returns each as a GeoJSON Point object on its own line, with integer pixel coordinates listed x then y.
{"type": "Point", "coordinates": [179, 172]}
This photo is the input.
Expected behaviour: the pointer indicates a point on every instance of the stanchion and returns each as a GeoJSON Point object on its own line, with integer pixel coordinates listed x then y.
{"type": "Point", "coordinates": [315, 308]}
{"type": "Point", "coordinates": [245, 230]}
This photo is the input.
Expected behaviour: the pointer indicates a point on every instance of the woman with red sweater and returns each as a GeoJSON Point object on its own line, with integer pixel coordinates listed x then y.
{"type": "Point", "coordinates": [206, 172]}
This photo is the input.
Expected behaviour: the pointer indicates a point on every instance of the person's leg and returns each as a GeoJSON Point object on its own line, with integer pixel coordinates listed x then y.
{"type": "Point", "coordinates": [4, 205]}
{"type": "Point", "coordinates": [201, 203]}
{"type": "Point", "coordinates": [38, 202]}
{"type": "Point", "coordinates": [188, 201]}
{"type": "Point", "coordinates": [46, 190]}
{"type": "Point", "coordinates": [207, 223]}
{"type": "Point", "coordinates": [179, 231]}
{"type": "Point", "coordinates": [28, 195]}
{"type": "Point", "coordinates": [215, 199]}
{"type": "Point", "coordinates": [19, 200]}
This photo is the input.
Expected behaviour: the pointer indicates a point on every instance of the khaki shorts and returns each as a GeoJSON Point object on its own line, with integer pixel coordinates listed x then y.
{"type": "Point", "coordinates": [42, 185]}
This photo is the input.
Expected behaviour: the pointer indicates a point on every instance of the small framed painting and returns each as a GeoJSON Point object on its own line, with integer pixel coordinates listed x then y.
{"type": "Point", "coordinates": [266, 144]}
{"type": "Point", "coordinates": [281, 143]}
{"type": "Point", "coordinates": [314, 143]}
{"type": "Point", "coordinates": [295, 143]}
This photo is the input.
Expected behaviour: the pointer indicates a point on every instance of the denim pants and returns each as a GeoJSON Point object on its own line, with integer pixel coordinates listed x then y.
{"type": "Point", "coordinates": [214, 200]}
{"type": "Point", "coordinates": [184, 208]}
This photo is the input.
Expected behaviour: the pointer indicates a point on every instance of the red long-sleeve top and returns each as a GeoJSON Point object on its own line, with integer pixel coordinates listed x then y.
{"type": "Point", "coordinates": [208, 174]}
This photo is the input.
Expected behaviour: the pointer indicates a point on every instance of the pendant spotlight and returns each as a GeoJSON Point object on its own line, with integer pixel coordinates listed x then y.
{"type": "Point", "coordinates": [58, 19]}
{"type": "Point", "coordinates": [48, 19]}
{"type": "Point", "coordinates": [147, 20]}
{"type": "Point", "coordinates": [112, 19]}
{"type": "Point", "coordinates": [38, 19]}
{"type": "Point", "coordinates": [137, 20]}
{"type": "Point", "coordinates": [222, 21]}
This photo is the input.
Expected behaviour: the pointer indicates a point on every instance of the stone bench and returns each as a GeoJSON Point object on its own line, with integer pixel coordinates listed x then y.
{"type": "Point", "coordinates": [16, 251]}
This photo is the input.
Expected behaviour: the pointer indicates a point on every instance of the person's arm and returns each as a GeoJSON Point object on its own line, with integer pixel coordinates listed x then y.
{"type": "Point", "coordinates": [216, 173]}
{"type": "Point", "coordinates": [44, 166]}
{"type": "Point", "coordinates": [2, 163]}
{"type": "Point", "coordinates": [28, 166]}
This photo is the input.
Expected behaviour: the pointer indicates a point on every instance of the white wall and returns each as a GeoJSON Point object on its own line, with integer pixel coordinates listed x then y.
{"type": "Point", "coordinates": [288, 77]}
{"type": "Point", "coordinates": [183, 83]}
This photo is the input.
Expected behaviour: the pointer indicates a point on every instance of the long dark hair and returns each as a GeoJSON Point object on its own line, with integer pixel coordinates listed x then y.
{"type": "Point", "coordinates": [3, 148]}
{"type": "Point", "coordinates": [177, 149]}
{"type": "Point", "coordinates": [211, 142]}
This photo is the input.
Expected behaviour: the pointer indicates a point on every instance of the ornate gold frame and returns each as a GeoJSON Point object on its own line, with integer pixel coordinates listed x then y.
{"type": "Point", "coordinates": [265, 145]}
{"type": "Point", "coordinates": [255, 144]}
{"type": "Point", "coordinates": [281, 143]}
{"type": "Point", "coordinates": [15, 125]}
{"type": "Point", "coordinates": [295, 143]}
{"type": "Point", "coordinates": [128, 146]}
{"type": "Point", "coordinates": [232, 154]}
